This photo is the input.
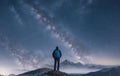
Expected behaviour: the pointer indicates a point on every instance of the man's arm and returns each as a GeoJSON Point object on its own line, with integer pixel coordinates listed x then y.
{"type": "Point", "coordinates": [60, 53]}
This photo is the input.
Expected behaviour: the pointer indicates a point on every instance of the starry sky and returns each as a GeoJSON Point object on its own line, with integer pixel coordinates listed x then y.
{"type": "Point", "coordinates": [86, 31]}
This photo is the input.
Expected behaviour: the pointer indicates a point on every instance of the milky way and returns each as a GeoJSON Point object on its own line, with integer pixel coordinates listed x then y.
{"type": "Point", "coordinates": [66, 38]}
{"type": "Point", "coordinates": [73, 44]}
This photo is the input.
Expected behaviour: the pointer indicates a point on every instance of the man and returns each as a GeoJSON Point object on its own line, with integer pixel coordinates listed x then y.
{"type": "Point", "coordinates": [56, 55]}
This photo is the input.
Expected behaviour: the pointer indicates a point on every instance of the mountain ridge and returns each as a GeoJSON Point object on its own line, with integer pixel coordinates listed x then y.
{"type": "Point", "coordinates": [115, 71]}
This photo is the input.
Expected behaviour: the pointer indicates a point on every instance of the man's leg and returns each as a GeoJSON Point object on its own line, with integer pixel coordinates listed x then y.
{"type": "Point", "coordinates": [54, 64]}
{"type": "Point", "coordinates": [58, 60]}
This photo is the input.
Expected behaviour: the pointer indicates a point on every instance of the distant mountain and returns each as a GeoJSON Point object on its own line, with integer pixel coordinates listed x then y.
{"type": "Point", "coordinates": [44, 72]}
{"type": "Point", "coordinates": [68, 63]}
{"type": "Point", "coordinates": [105, 72]}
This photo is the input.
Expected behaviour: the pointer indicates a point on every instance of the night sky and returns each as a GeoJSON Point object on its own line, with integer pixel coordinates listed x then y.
{"type": "Point", "coordinates": [86, 31]}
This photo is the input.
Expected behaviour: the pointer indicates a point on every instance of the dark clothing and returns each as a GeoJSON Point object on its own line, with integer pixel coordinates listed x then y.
{"type": "Point", "coordinates": [56, 64]}
{"type": "Point", "coordinates": [54, 52]}
{"type": "Point", "coordinates": [56, 55]}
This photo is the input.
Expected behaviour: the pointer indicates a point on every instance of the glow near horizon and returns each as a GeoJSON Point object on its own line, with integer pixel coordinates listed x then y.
{"type": "Point", "coordinates": [5, 71]}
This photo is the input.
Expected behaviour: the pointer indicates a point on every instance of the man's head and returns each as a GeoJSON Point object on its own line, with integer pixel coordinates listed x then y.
{"type": "Point", "coordinates": [57, 47]}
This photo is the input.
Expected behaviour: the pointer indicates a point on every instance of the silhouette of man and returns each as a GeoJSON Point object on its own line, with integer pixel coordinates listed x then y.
{"type": "Point", "coordinates": [56, 55]}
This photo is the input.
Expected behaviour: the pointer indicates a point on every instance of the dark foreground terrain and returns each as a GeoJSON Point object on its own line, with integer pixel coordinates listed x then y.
{"type": "Point", "coordinates": [49, 72]}
{"type": "Point", "coordinates": [44, 72]}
